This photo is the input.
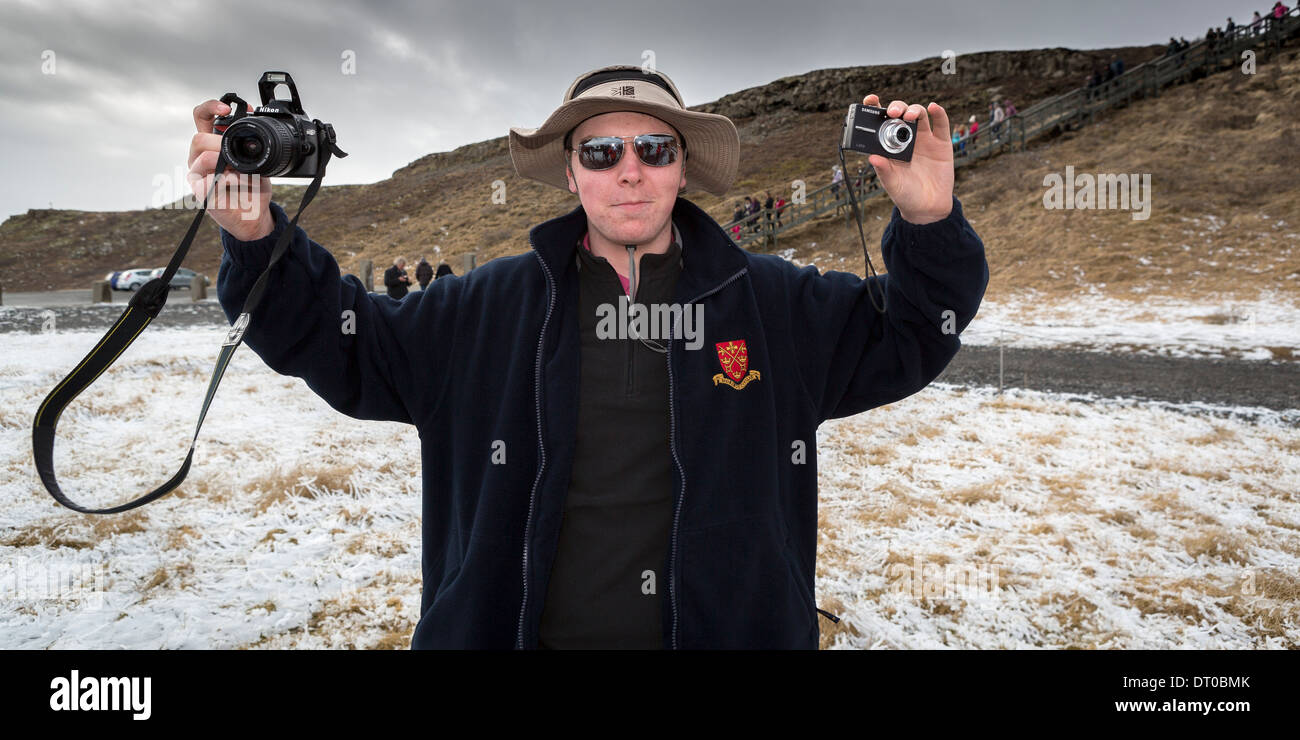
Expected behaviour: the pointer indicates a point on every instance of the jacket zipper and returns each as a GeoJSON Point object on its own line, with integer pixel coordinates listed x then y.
{"type": "Point", "coordinates": [541, 447]}
{"type": "Point", "coordinates": [631, 345]}
{"type": "Point", "coordinates": [631, 361]}
{"type": "Point", "coordinates": [672, 444]}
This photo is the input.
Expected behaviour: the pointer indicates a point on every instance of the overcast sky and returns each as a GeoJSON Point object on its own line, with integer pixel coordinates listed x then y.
{"type": "Point", "coordinates": [109, 127]}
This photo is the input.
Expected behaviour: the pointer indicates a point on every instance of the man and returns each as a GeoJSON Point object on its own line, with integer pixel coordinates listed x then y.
{"type": "Point", "coordinates": [396, 279]}
{"type": "Point", "coordinates": [423, 273]}
{"type": "Point", "coordinates": [641, 488]}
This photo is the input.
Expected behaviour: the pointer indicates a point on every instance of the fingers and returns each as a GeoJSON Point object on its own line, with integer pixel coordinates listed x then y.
{"type": "Point", "coordinates": [205, 163]}
{"type": "Point", "coordinates": [206, 112]}
{"type": "Point", "coordinates": [202, 143]}
{"type": "Point", "coordinates": [915, 112]}
{"type": "Point", "coordinates": [939, 121]}
{"type": "Point", "coordinates": [201, 170]}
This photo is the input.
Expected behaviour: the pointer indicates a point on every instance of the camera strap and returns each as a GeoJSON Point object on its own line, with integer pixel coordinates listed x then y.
{"type": "Point", "coordinates": [857, 216]}
{"type": "Point", "coordinates": [142, 309]}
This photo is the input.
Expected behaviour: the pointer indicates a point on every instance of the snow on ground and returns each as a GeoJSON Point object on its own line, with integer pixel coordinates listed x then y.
{"type": "Point", "coordinates": [1264, 329]}
{"type": "Point", "coordinates": [956, 517]}
{"type": "Point", "coordinates": [963, 518]}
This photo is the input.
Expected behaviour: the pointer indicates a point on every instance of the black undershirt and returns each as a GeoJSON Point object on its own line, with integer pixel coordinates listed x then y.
{"type": "Point", "coordinates": [618, 509]}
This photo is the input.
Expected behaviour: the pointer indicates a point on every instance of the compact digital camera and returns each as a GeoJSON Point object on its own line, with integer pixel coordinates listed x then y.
{"type": "Point", "coordinates": [277, 139]}
{"type": "Point", "coordinates": [870, 130]}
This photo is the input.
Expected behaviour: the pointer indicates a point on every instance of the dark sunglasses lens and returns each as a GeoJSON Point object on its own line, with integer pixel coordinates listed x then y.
{"type": "Point", "coordinates": [656, 150]}
{"type": "Point", "coordinates": [600, 154]}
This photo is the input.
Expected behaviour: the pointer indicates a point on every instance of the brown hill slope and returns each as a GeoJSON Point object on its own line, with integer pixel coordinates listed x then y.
{"type": "Point", "coordinates": [788, 130]}
{"type": "Point", "coordinates": [1224, 156]}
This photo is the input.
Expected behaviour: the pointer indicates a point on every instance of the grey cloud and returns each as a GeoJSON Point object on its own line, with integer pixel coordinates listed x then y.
{"type": "Point", "coordinates": [435, 75]}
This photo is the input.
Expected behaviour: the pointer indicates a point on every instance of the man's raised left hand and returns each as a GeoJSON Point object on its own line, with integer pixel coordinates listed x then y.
{"type": "Point", "coordinates": [922, 188]}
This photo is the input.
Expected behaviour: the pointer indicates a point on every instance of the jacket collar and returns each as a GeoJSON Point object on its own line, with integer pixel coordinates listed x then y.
{"type": "Point", "coordinates": [709, 256]}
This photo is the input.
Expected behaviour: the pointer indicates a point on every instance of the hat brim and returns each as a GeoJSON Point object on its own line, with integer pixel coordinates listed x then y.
{"type": "Point", "coordinates": [712, 142]}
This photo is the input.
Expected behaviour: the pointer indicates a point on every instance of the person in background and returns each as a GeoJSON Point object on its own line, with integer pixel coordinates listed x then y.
{"type": "Point", "coordinates": [396, 280]}
{"type": "Point", "coordinates": [780, 210]}
{"type": "Point", "coordinates": [1010, 108]}
{"type": "Point", "coordinates": [996, 114]}
{"type": "Point", "coordinates": [767, 208]}
{"type": "Point", "coordinates": [1095, 82]}
{"type": "Point", "coordinates": [444, 270]}
{"type": "Point", "coordinates": [423, 273]}
{"type": "Point", "coordinates": [974, 131]}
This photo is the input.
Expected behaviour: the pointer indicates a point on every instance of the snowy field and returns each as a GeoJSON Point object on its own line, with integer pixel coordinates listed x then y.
{"type": "Point", "coordinates": [954, 518]}
{"type": "Point", "coordinates": [1265, 329]}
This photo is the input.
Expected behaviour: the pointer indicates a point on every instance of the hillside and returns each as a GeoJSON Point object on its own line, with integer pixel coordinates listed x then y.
{"type": "Point", "coordinates": [440, 204]}
{"type": "Point", "coordinates": [1223, 154]}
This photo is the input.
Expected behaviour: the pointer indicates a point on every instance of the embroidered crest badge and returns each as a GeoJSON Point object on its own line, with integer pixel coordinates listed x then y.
{"type": "Point", "coordinates": [734, 358]}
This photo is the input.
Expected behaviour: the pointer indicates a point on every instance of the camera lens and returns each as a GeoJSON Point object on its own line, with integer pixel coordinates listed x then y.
{"type": "Point", "coordinates": [259, 145]}
{"type": "Point", "coordinates": [248, 147]}
{"type": "Point", "coordinates": [894, 136]}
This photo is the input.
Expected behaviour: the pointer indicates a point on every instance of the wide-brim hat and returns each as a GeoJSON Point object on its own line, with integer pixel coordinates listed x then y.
{"type": "Point", "coordinates": [711, 142]}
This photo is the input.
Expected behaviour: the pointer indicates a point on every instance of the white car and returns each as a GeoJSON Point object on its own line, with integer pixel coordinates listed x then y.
{"type": "Point", "coordinates": [182, 279]}
{"type": "Point", "coordinates": [131, 279]}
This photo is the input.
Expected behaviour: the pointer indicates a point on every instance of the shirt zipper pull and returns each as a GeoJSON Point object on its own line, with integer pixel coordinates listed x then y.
{"type": "Point", "coordinates": [828, 615]}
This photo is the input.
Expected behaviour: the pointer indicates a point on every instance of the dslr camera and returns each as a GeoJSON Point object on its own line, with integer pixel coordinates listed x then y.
{"type": "Point", "coordinates": [277, 139]}
{"type": "Point", "coordinates": [870, 130]}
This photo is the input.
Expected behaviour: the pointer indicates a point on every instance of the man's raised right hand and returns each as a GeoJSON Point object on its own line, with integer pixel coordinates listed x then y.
{"type": "Point", "coordinates": [241, 203]}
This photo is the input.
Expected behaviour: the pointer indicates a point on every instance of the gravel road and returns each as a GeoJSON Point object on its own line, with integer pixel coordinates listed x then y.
{"type": "Point", "coordinates": [1272, 385]}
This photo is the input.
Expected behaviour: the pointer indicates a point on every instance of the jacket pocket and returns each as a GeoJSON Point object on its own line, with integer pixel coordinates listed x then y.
{"type": "Point", "coordinates": [805, 591]}
{"type": "Point", "coordinates": [740, 589]}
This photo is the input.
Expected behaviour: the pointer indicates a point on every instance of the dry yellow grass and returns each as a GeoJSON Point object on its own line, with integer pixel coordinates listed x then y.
{"type": "Point", "coordinates": [1218, 543]}
{"type": "Point", "coordinates": [279, 486]}
{"type": "Point", "coordinates": [81, 533]}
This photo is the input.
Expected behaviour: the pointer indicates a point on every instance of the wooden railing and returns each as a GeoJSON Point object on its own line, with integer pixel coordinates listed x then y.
{"type": "Point", "coordinates": [1068, 111]}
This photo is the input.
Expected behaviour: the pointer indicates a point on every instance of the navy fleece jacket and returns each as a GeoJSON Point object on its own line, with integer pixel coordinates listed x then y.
{"type": "Point", "coordinates": [493, 356]}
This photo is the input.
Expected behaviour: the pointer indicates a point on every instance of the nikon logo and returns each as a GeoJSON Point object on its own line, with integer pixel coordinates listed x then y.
{"type": "Point", "coordinates": [91, 694]}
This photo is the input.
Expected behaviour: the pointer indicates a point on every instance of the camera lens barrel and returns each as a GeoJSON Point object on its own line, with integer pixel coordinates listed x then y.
{"type": "Point", "coordinates": [895, 135]}
{"type": "Point", "coordinates": [260, 145]}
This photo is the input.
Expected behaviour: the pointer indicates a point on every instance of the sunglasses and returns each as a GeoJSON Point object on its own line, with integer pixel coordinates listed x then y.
{"type": "Point", "coordinates": [603, 152]}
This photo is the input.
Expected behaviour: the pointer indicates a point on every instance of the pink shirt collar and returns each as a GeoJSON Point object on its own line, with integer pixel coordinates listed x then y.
{"type": "Point", "coordinates": [627, 286]}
